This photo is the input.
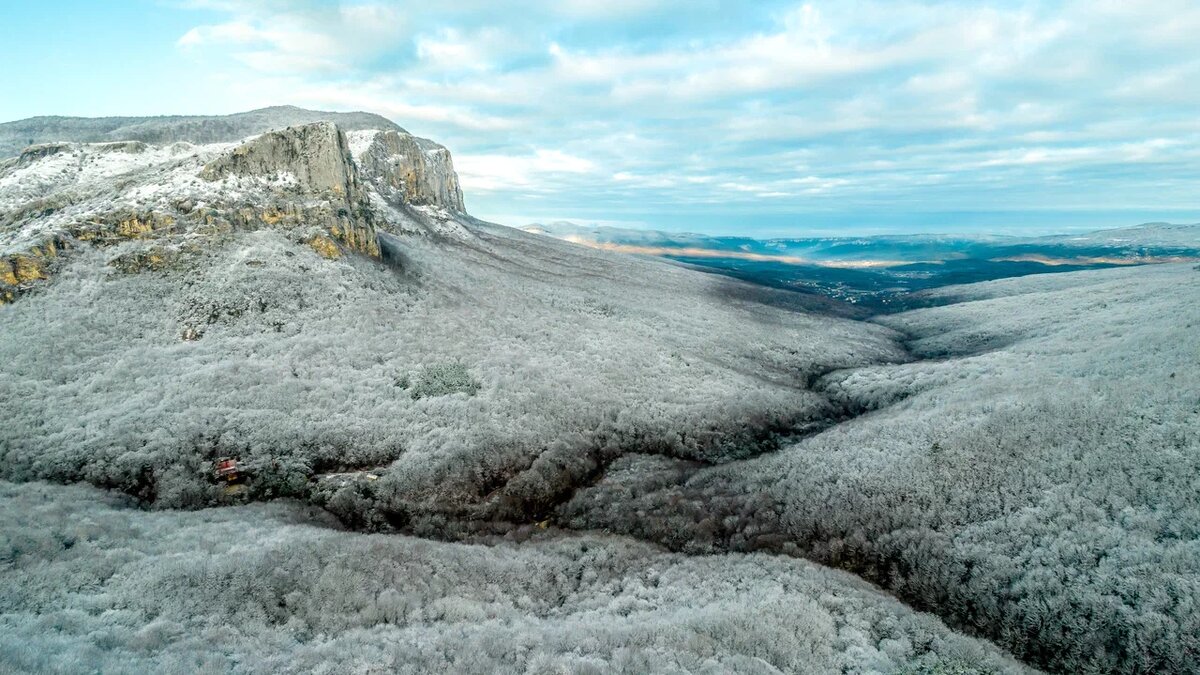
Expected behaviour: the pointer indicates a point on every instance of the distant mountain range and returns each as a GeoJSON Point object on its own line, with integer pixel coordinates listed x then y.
{"type": "Point", "coordinates": [880, 272]}
{"type": "Point", "coordinates": [1128, 244]}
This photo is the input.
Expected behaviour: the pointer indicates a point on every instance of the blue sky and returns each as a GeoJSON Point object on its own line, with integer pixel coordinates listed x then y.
{"type": "Point", "coordinates": [759, 118]}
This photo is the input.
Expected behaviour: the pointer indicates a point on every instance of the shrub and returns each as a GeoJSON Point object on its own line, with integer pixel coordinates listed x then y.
{"type": "Point", "coordinates": [442, 379]}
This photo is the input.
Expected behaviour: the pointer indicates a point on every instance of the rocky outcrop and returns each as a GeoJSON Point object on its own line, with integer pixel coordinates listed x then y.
{"type": "Point", "coordinates": [119, 226]}
{"type": "Point", "coordinates": [313, 160]}
{"type": "Point", "coordinates": [19, 271]}
{"type": "Point", "coordinates": [410, 170]}
{"type": "Point", "coordinates": [33, 153]}
{"type": "Point", "coordinates": [327, 187]}
{"type": "Point", "coordinates": [325, 247]}
{"type": "Point", "coordinates": [152, 259]}
{"type": "Point", "coordinates": [356, 235]}
{"type": "Point", "coordinates": [315, 155]}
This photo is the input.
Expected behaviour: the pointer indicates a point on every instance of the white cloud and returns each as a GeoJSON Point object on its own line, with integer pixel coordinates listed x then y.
{"type": "Point", "coordinates": [876, 102]}
{"type": "Point", "coordinates": [235, 31]}
{"type": "Point", "coordinates": [533, 171]}
{"type": "Point", "coordinates": [272, 38]}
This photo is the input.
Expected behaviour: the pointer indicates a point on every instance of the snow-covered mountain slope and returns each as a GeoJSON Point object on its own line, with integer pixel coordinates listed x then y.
{"type": "Point", "coordinates": [311, 302]}
{"type": "Point", "coordinates": [315, 303]}
{"type": "Point", "coordinates": [289, 178]}
{"type": "Point", "coordinates": [1146, 234]}
{"type": "Point", "coordinates": [197, 129]}
{"type": "Point", "coordinates": [1034, 477]}
{"type": "Point", "coordinates": [88, 584]}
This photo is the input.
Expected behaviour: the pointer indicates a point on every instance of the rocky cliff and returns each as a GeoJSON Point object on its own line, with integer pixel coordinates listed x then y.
{"type": "Point", "coordinates": [315, 155]}
{"type": "Point", "coordinates": [408, 169]}
{"type": "Point", "coordinates": [326, 188]}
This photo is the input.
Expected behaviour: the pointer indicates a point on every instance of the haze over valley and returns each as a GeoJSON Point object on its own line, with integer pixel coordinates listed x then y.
{"type": "Point", "coordinates": [881, 272]}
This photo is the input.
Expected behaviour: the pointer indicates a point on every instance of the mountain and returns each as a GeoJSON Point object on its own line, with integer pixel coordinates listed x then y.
{"type": "Point", "coordinates": [315, 303]}
{"type": "Point", "coordinates": [1032, 472]}
{"type": "Point", "coordinates": [1147, 234]}
{"type": "Point", "coordinates": [884, 251]}
{"type": "Point", "coordinates": [15, 136]}
{"type": "Point", "coordinates": [466, 447]}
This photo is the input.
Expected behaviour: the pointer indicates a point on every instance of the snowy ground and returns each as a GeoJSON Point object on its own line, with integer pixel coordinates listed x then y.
{"type": "Point", "coordinates": [493, 370]}
{"type": "Point", "coordinates": [1022, 461]}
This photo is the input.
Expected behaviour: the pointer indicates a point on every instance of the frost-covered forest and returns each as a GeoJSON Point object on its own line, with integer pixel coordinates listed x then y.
{"type": "Point", "coordinates": [472, 448]}
{"type": "Point", "coordinates": [302, 366]}
{"type": "Point", "coordinates": [149, 356]}
{"type": "Point", "coordinates": [91, 584]}
{"type": "Point", "coordinates": [1036, 477]}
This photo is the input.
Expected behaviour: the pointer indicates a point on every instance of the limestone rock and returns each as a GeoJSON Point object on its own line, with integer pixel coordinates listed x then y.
{"type": "Point", "coordinates": [331, 187]}
{"type": "Point", "coordinates": [357, 235]}
{"type": "Point", "coordinates": [315, 155]}
{"type": "Point", "coordinates": [325, 247]}
{"type": "Point", "coordinates": [35, 152]}
{"type": "Point", "coordinates": [19, 270]}
{"type": "Point", "coordinates": [411, 170]}
{"type": "Point", "coordinates": [119, 226]}
{"type": "Point", "coordinates": [8, 272]}
{"type": "Point", "coordinates": [147, 260]}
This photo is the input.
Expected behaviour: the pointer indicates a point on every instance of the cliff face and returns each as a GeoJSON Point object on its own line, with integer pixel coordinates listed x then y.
{"type": "Point", "coordinates": [407, 169]}
{"type": "Point", "coordinates": [313, 161]}
{"type": "Point", "coordinates": [305, 180]}
{"type": "Point", "coordinates": [314, 154]}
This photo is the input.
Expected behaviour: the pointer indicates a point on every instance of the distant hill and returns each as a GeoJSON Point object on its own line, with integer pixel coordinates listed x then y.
{"type": "Point", "coordinates": [878, 272]}
{"type": "Point", "coordinates": [1146, 234]}
{"type": "Point", "coordinates": [901, 247]}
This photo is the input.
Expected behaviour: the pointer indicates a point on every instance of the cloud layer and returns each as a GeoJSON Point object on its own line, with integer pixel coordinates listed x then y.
{"type": "Point", "coordinates": [635, 109]}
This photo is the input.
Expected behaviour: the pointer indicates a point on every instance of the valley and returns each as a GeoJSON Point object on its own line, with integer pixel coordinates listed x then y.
{"type": "Point", "coordinates": [885, 273]}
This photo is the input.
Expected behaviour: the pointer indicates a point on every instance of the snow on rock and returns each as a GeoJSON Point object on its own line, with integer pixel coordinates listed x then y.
{"type": "Point", "coordinates": [360, 141]}
{"type": "Point", "coordinates": [412, 170]}
{"type": "Point", "coordinates": [301, 179]}
{"type": "Point", "coordinates": [197, 129]}
{"type": "Point", "coordinates": [314, 155]}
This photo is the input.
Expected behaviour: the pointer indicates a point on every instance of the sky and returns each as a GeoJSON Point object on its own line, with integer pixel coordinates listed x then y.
{"type": "Point", "coordinates": [768, 118]}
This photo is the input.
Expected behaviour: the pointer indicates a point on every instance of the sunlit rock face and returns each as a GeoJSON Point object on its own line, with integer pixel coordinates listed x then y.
{"type": "Point", "coordinates": [314, 155]}
{"type": "Point", "coordinates": [407, 169]}
{"type": "Point", "coordinates": [311, 161]}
